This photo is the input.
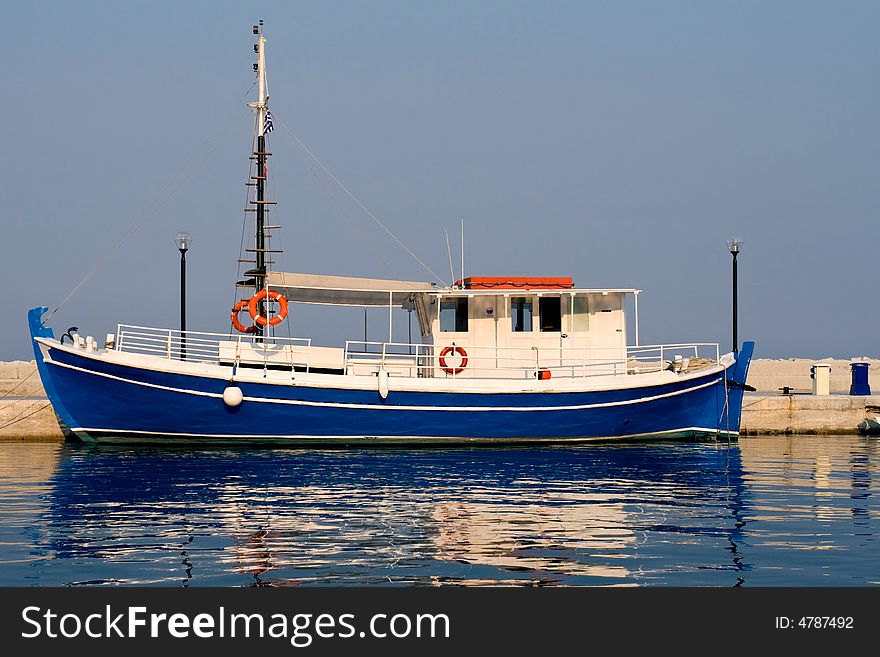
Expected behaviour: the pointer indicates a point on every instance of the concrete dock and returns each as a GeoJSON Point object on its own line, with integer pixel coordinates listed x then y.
{"type": "Point", "coordinates": [25, 413]}
{"type": "Point", "coordinates": [28, 418]}
{"type": "Point", "coordinates": [797, 413]}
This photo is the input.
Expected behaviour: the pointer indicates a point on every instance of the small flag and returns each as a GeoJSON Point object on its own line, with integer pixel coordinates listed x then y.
{"type": "Point", "coordinates": [267, 123]}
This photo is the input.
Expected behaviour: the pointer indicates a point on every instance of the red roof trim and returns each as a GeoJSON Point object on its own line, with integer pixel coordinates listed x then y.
{"type": "Point", "coordinates": [517, 283]}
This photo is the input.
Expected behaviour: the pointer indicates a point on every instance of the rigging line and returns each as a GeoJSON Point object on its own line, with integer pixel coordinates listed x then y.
{"type": "Point", "coordinates": [252, 167]}
{"type": "Point", "coordinates": [276, 209]}
{"type": "Point", "coordinates": [356, 199]}
{"type": "Point", "coordinates": [149, 210]}
{"type": "Point", "coordinates": [238, 275]}
{"type": "Point", "coordinates": [368, 240]}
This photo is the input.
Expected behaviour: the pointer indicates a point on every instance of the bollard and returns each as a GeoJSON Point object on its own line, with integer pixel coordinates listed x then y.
{"type": "Point", "coordinates": [859, 384]}
{"type": "Point", "coordinates": [821, 375]}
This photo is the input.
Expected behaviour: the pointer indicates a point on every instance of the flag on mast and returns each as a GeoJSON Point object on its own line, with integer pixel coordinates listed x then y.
{"type": "Point", "coordinates": [267, 123]}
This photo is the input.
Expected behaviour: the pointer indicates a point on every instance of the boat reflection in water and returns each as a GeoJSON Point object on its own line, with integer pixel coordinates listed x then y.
{"type": "Point", "coordinates": [596, 515]}
{"type": "Point", "coordinates": [545, 541]}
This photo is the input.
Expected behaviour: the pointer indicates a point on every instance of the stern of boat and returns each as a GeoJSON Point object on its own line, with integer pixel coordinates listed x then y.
{"type": "Point", "coordinates": [736, 387]}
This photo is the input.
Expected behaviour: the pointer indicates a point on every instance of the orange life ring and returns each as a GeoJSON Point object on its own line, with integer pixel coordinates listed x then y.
{"type": "Point", "coordinates": [268, 294]}
{"type": "Point", "coordinates": [236, 309]}
{"type": "Point", "coordinates": [453, 370]}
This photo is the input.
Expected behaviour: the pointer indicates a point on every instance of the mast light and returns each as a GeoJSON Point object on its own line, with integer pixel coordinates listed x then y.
{"type": "Point", "coordinates": [183, 241]}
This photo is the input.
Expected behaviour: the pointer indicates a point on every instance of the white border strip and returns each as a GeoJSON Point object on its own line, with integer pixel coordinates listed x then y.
{"type": "Point", "coordinates": [298, 402]}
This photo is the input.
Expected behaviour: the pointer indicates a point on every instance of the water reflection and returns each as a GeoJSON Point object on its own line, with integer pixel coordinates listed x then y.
{"type": "Point", "coordinates": [813, 502]}
{"type": "Point", "coordinates": [767, 511]}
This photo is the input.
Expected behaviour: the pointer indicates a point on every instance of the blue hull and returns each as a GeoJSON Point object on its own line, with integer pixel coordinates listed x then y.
{"type": "Point", "coordinates": [102, 401]}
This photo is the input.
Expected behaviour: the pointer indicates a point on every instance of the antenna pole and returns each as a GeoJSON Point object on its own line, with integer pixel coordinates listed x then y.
{"type": "Point", "coordinates": [462, 252]}
{"type": "Point", "coordinates": [449, 251]}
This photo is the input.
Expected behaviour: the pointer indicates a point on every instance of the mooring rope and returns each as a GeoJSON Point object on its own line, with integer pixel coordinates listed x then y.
{"type": "Point", "coordinates": [18, 385]}
{"type": "Point", "coordinates": [20, 417]}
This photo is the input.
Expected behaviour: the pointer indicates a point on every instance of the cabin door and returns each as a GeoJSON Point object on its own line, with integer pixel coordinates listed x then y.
{"type": "Point", "coordinates": [485, 318]}
{"type": "Point", "coordinates": [608, 332]}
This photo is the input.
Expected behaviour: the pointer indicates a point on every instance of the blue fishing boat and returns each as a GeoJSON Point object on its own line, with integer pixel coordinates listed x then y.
{"type": "Point", "coordinates": [498, 359]}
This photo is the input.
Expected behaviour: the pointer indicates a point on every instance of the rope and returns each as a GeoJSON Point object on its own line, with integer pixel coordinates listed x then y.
{"type": "Point", "coordinates": [727, 408]}
{"type": "Point", "coordinates": [247, 195]}
{"type": "Point", "coordinates": [345, 215]}
{"type": "Point", "coordinates": [18, 418]}
{"type": "Point", "coordinates": [18, 385]}
{"type": "Point", "coordinates": [725, 413]}
{"type": "Point", "coordinates": [173, 185]}
{"type": "Point", "coordinates": [297, 142]}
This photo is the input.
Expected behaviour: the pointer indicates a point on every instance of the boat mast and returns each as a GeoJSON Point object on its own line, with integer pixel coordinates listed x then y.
{"type": "Point", "coordinates": [261, 109]}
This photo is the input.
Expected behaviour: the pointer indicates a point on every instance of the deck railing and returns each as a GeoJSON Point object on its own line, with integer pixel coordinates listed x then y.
{"type": "Point", "coordinates": [421, 360]}
{"type": "Point", "coordinates": [217, 348]}
{"type": "Point", "coordinates": [363, 358]}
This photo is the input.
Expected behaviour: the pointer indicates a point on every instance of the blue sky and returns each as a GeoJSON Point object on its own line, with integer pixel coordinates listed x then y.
{"type": "Point", "coordinates": [620, 143]}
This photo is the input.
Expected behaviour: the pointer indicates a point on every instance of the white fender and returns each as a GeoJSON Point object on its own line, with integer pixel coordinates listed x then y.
{"type": "Point", "coordinates": [383, 384]}
{"type": "Point", "coordinates": [232, 396]}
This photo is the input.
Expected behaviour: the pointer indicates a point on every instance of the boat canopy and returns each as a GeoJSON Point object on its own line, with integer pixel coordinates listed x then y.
{"type": "Point", "coordinates": [345, 290]}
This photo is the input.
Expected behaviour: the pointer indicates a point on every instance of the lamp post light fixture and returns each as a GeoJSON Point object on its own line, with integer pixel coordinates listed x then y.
{"type": "Point", "coordinates": [734, 245]}
{"type": "Point", "coordinates": [183, 242]}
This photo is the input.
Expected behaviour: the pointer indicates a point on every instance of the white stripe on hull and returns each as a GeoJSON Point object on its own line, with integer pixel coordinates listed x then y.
{"type": "Point", "coordinates": [389, 407]}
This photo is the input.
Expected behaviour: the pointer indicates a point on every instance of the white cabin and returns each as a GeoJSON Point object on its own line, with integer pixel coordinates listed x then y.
{"type": "Point", "coordinates": [481, 327]}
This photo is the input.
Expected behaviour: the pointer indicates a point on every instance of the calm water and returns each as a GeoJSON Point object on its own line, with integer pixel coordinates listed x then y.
{"type": "Point", "coordinates": [770, 511]}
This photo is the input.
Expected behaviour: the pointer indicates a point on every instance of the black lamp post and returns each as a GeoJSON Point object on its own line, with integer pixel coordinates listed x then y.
{"type": "Point", "coordinates": [734, 245]}
{"type": "Point", "coordinates": [183, 243]}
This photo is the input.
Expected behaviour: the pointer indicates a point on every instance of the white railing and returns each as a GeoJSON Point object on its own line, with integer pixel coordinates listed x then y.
{"type": "Point", "coordinates": [219, 348]}
{"type": "Point", "coordinates": [423, 360]}
{"type": "Point", "coordinates": [361, 358]}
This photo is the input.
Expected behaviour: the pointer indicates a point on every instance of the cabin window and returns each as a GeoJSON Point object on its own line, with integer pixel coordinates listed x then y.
{"type": "Point", "coordinates": [454, 315]}
{"type": "Point", "coordinates": [580, 321]}
{"type": "Point", "coordinates": [551, 314]}
{"type": "Point", "coordinates": [521, 314]}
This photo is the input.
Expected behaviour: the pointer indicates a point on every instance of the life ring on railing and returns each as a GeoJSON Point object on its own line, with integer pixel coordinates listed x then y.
{"type": "Point", "coordinates": [268, 294]}
{"type": "Point", "coordinates": [453, 370]}
{"type": "Point", "coordinates": [236, 309]}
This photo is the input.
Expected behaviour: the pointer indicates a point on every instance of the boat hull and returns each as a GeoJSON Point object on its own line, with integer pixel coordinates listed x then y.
{"type": "Point", "coordinates": [103, 401]}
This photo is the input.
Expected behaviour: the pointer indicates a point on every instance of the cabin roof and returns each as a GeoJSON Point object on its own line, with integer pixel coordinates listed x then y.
{"type": "Point", "coordinates": [345, 290]}
{"type": "Point", "coordinates": [353, 291]}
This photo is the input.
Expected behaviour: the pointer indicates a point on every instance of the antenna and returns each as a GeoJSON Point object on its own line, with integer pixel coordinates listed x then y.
{"type": "Point", "coordinates": [462, 252]}
{"type": "Point", "coordinates": [449, 251]}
